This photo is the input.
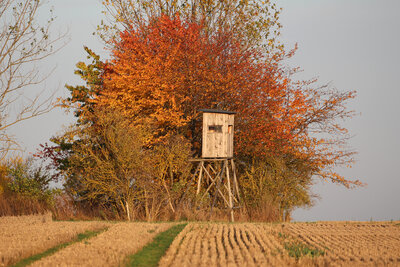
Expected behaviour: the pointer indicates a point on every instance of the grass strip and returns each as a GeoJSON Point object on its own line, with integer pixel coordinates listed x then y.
{"type": "Point", "coordinates": [151, 254]}
{"type": "Point", "coordinates": [80, 237]}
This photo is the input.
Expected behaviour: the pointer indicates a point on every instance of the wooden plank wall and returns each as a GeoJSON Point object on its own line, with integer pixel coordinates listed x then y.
{"type": "Point", "coordinates": [217, 144]}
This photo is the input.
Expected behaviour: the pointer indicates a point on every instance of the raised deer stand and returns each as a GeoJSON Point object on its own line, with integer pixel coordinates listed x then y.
{"type": "Point", "coordinates": [218, 177]}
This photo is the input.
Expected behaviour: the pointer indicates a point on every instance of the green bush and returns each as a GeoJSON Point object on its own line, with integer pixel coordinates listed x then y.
{"type": "Point", "coordinates": [24, 179]}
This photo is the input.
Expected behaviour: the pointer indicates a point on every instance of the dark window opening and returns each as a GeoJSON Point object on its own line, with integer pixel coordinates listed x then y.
{"type": "Point", "coordinates": [215, 128]}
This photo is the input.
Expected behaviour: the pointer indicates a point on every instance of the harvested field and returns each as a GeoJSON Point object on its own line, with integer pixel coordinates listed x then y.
{"type": "Point", "coordinates": [205, 244]}
{"type": "Point", "coordinates": [106, 249]}
{"type": "Point", "coordinates": [309, 244]}
{"type": "Point", "coordinates": [227, 245]}
{"type": "Point", "coordinates": [351, 244]}
{"type": "Point", "coordinates": [24, 236]}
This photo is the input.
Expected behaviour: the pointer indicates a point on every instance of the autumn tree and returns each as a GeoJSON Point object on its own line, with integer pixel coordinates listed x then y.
{"type": "Point", "coordinates": [108, 161]}
{"type": "Point", "coordinates": [171, 58]}
{"type": "Point", "coordinates": [256, 22]}
{"type": "Point", "coordinates": [162, 74]}
{"type": "Point", "coordinates": [112, 165]}
{"type": "Point", "coordinates": [23, 42]}
{"type": "Point", "coordinates": [165, 74]}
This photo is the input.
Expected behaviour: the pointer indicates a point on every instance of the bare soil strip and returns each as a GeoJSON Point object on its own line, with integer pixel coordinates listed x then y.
{"type": "Point", "coordinates": [24, 236]}
{"type": "Point", "coordinates": [226, 245]}
{"type": "Point", "coordinates": [106, 249]}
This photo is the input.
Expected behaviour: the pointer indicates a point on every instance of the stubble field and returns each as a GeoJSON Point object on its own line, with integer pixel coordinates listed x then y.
{"type": "Point", "coordinates": [24, 236]}
{"type": "Point", "coordinates": [352, 243]}
{"type": "Point", "coordinates": [204, 244]}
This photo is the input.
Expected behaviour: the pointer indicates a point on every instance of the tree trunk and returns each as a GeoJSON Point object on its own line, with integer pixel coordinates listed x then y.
{"type": "Point", "coordinates": [169, 196]}
{"type": "Point", "coordinates": [146, 205]}
{"type": "Point", "coordinates": [127, 210]}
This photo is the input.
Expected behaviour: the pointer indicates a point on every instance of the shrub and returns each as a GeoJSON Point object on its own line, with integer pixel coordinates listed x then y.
{"type": "Point", "coordinates": [24, 188]}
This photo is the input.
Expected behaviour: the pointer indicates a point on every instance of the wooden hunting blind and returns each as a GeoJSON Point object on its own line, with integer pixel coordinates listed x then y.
{"type": "Point", "coordinates": [218, 128]}
{"type": "Point", "coordinates": [215, 172]}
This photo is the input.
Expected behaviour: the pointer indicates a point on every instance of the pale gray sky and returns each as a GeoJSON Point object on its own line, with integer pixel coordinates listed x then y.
{"type": "Point", "coordinates": [354, 44]}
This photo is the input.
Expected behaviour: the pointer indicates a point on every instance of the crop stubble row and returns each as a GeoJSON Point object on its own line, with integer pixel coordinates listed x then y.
{"type": "Point", "coordinates": [24, 236]}
{"type": "Point", "coordinates": [226, 245]}
{"type": "Point", "coordinates": [351, 243]}
{"type": "Point", "coordinates": [109, 248]}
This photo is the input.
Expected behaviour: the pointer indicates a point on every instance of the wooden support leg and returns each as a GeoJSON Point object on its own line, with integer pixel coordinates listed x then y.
{"type": "Point", "coordinates": [207, 169]}
{"type": "Point", "coordinates": [235, 179]}
{"type": "Point", "coordinates": [219, 179]}
{"type": "Point", "coordinates": [199, 181]}
{"type": "Point", "coordinates": [229, 191]}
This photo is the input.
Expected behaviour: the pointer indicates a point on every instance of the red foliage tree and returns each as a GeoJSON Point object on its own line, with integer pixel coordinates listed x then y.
{"type": "Point", "coordinates": [164, 73]}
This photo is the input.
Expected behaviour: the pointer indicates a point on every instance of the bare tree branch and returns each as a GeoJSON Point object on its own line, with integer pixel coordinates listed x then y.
{"type": "Point", "coordinates": [23, 43]}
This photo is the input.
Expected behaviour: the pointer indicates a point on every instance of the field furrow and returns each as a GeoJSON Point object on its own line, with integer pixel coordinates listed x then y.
{"type": "Point", "coordinates": [226, 245]}
{"type": "Point", "coordinates": [352, 243]}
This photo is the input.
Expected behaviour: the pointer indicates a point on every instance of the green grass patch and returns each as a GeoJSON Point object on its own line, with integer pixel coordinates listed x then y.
{"type": "Point", "coordinates": [297, 250]}
{"type": "Point", "coordinates": [80, 237]}
{"type": "Point", "coordinates": [282, 235]}
{"type": "Point", "coordinates": [151, 254]}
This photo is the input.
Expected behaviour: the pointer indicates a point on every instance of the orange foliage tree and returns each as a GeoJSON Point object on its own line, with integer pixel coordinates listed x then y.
{"type": "Point", "coordinates": [162, 73]}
